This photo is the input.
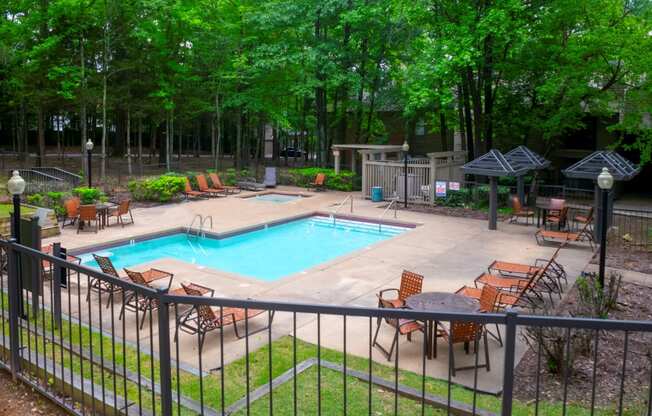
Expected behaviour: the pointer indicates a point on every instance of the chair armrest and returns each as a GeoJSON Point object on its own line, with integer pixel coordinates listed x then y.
{"type": "Point", "coordinates": [201, 288]}
{"type": "Point", "coordinates": [381, 294]}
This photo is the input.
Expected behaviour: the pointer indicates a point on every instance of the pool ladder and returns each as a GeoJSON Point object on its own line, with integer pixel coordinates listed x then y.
{"type": "Point", "coordinates": [202, 222]}
{"type": "Point", "coordinates": [380, 218]}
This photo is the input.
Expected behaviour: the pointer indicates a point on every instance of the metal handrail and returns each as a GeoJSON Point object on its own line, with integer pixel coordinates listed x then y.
{"type": "Point", "coordinates": [348, 198]}
{"type": "Point", "coordinates": [380, 218]}
{"type": "Point", "coordinates": [201, 227]}
{"type": "Point", "coordinates": [193, 223]}
{"type": "Point", "coordinates": [202, 222]}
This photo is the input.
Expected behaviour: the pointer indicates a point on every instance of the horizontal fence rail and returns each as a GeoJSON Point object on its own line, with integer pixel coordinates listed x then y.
{"type": "Point", "coordinates": [101, 344]}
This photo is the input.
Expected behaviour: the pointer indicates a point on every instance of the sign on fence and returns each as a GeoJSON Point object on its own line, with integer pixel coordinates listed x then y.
{"type": "Point", "coordinates": [440, 189]}
{"type": "Point", "coordinates": [454, 186]}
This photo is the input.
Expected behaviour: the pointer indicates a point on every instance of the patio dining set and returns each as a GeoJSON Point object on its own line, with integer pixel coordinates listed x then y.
{"type": "Point", "coordinates": [97, 216]}
{"type": "Point", "coordinates": [504, 285]}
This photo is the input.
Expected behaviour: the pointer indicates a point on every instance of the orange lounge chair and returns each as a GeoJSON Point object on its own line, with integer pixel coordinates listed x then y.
{"type": "Point", "coordinates": [506, 268]}
{"type": "Point", "coordinates": [217, 184]}
{"type": "Point", "coordinates": [202, 183]}
{"type": "Point", "coordinates": [319, 182]}
{"type": "Point", "coordinates": [584, 235]}
{"type": "Point", "coordinates": [189, 193]}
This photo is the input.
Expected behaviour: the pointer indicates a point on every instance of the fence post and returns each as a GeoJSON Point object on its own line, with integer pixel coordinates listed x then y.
{"type": "Point", "coordinates": [14, 302]}
{"type": "Point", "coordinates": [508, 366]}
{"type": "Point", "coordinates": [165, 372]}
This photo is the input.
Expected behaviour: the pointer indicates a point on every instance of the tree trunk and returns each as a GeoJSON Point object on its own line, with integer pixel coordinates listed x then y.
{"type": "Point", "coordinates": [238, 141]}
{"type": "Point", "coordinates": [41, 135]}
{"type": "Point", "coordinates": [140, 144]}
{"type": "Point", "coordinates": [103, 155]}
{"type": "Point", "coordinates": [443, 130]}
{"type": "Point", "coordinates": [129, 171]}
{"type": "Point", "coordinates": [468, 122]}
{"type": "Point", "coordinates": [218, 131]}
{"type": "Point", "coordinates": [487, 75]}
{"type": "Point", "coordinates": [82, 109]}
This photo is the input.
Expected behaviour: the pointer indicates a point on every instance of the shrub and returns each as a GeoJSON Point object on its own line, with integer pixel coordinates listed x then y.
{"type": "Point", "coordinates": [461, 198]}
{"type": "Point", "coordinates": [593, 300]}
{"type": "Point", "coordinates": [344, 181]}
{"type": "Point", "coordinates": [481, 196]}
{"type": "Point", "coordinates": [36, 199]}
{"type": "Point", "coordinates": [160, 189]}
{"type": "Point", "coordinates": [87, 195]}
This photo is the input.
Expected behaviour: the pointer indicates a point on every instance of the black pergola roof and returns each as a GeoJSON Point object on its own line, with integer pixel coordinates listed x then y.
{"type": "Point", "coordinates": [523, 157]}
{"type": "Point", "coordinates": [591, 166]}
{"type": "Point", "coordinates": [492, 163]}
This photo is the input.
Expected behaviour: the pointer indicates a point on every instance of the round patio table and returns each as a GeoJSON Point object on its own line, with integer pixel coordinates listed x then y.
{"type": "Point", "coordinates": [439, 302]}
{"type": "Point", "coordinates": [103, 212]}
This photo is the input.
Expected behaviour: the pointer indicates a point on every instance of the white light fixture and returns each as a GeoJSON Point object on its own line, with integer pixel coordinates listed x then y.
{"type": "Point", "coordinates": [406, 146]}
{"type": "Point", "coordinates": [605, 179]}
{"type": "Point", "coordinates": [336, 153]}
{"type": "Point", "coordinates": [89, 145]}
{"type": "Point", "coordinates": [16, 184]}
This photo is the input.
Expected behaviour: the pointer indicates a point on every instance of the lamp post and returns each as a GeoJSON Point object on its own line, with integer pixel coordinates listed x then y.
{"type": "Point", "coordinates": [406, 149]}
{"type": "Point", "coordinates": [89, 153]}
{"type": "Point", "coordinates": [16, 187]}
{"type": "Point", "coordinates": [605, 183]}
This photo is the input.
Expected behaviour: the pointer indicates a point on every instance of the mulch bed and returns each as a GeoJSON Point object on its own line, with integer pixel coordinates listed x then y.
{"type": "Point", "coordinates": [628, 259]}
{"type": "Point", "coordinates": [448, 211]}
{"type": "Point", "coordinates": [634, 304]}
{"type": "Point", "coordinates": [19, 399]}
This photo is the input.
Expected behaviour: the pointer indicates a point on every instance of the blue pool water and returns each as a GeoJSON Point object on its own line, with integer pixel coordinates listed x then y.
{"type": "Point", "coordinates": [266, 254]}
{"type": "Point", "coordinates": [277, 198]}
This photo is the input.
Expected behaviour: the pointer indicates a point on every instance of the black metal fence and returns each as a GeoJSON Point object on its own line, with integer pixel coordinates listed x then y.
{"type": "Point", "coordinates": [72, 344]}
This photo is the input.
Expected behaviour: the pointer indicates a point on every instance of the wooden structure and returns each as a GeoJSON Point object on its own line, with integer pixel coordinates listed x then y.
{"type": "Point", "coordinates": [422, 173]}
{"type": "Point", "coordinates": [493, 164]}
{"type": "Point", "coordinates": [523, 157]}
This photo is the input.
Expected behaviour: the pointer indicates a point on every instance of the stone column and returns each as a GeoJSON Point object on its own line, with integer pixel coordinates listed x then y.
{"type": "Point", "coordinates": [336, 157]}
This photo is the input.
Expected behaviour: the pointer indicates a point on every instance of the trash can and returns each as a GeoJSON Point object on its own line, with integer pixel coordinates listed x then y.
{"type": "Point", "coordinates": [376, 194]}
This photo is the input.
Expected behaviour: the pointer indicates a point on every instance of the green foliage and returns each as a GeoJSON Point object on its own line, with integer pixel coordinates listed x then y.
{"type": "Point", "coordinates": [87, 195]}
{"type": "Point", "coordinates": [52, 200]}
{"type": "Point", "coordinates": [160, 189]}
{"type": "Point", "coordinates": [231, 176]}
{"type": "Point", "coordinates": [344, 181]}
{"type": "Point", "coordinates": [476, 197]}
{"type": "Point", "coordinates": [36, 199]}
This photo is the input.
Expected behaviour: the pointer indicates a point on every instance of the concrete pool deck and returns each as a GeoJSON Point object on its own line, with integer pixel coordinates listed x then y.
{"type": "Point", "coordinates": [450, 252]}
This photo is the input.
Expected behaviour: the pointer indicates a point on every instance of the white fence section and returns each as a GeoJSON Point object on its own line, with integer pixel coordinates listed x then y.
{"type": "Point", "coordinates": [421, 175]}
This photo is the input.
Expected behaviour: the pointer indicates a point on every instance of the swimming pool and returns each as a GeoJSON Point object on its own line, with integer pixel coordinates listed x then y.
{"type": "Point", "coordinates": [267, 254]}
{"type": "Point", "coordinates": [276, 198]}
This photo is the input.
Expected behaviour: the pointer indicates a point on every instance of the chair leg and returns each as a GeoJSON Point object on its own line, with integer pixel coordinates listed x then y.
{"type": "Point", "coordinates": [391, 349]}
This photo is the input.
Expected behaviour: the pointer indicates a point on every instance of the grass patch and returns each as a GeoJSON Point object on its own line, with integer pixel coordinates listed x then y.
{"type": "Point", "coordinates": [7, 209]}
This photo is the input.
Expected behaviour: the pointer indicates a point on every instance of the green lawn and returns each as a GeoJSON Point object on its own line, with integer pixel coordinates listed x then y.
{"type": "Point", "coordinates": [8, 209]}
{"type": "Point", "coordinates": [282, 351]}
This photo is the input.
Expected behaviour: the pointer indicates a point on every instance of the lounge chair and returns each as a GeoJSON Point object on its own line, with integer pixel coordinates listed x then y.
{"type": "Point", "coordinates": [202, 319]}
{"type": "Point", "coordinates": [270, 177]}
{"type": "Point", "coordinates": [319, 183]}
{"type": "Point", "coordinates": [88, 214]}
{"type": "Point", "coordinates": [217, 184]}
{"type": "Point", "coordinates": [583, 235]}
{"type": "Point", "coordinates": [555, 269]}
{"type": "Point", "coordinates": [190, 193]}
{"type": "Point", "coordinates": [467, 333]}
{"type": "Point", "coordinates": [47, 267]}
{"type": "Point", "coordinates": [411, 284]}
{"type": "Point", "coordinates": [72, 211]}
{"type": "Point", "coordinates": [519, 211]}
{"type": "Point", "coordinates": [250, 184]}
{"type": "Point", "coordinates": [120, 211]}
{"type": "Point", "coordinates": [515, 284]}
{"type": "Point", "coordinates": [202, 183]}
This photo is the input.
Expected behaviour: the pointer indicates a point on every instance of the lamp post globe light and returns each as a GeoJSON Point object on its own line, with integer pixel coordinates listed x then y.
{"type": "Point", "coordinates": [16, 187]}
{"type": "Point", "coordinates": [605, 183]}
{"type": "Point", "coordinates": [89, 153]}
{"type": "Point", "coordinates": [406, 149]}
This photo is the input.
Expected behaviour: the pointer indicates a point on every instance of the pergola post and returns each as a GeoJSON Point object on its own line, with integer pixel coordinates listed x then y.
{"type": "Point", "coordinates": [493, 202]}
{"type": "Point", "coordinates": [336, 159]}
{"type": "Point", "coordinates": [520, 189]}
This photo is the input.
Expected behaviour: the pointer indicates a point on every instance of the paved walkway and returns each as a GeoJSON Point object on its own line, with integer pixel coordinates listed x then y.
{"type": "Point", "coordinates": [450, 252]}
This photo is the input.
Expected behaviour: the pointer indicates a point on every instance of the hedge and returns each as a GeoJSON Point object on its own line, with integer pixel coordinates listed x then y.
{"type": "Point", "coordinates": [344, 181]}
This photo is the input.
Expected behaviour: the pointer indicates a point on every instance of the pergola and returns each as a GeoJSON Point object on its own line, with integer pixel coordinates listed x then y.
{"type": "Point", "coordinates": [523, 157]}
{"type": "Point", "coordinates": [590, 167]}
{"type": "Point", "coordinates": [381, 149]}
{"type": "Point", "coordinates": [493, 164]}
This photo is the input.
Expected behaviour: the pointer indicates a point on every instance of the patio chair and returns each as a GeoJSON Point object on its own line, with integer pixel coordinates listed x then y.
{"type": "Point", "coordinates": [583, 235]}
{"type": "Point", "coordinates": [585, 219]}
{"type": "Point", "coordinates": [120, 211]}
{"type": "Point", "coordinates": [559, 218]}
{"type": "Point", "coordinates": [102, 286]}
{"type": "Point", "coordinates": [270, 177]}
{"type": "Point", "coordinates": [202, 319]}
{"type": "Point", "coordinates": [319, 183]}
{"type": "Point", "coordinates": [411, 284]}
{"type": "Point", "coordinates": [519, 211]}
{"type": "Point", "coordinates": [555, 269]}
{"type": "Point", "coordinates": [202, 183]}
{"type": "Point", "coordinates": [489, 304]}
{"type": "Point", "coordinates": [88, 214]}
{"type": "Point", "coordinates": [72, 211]}
{"type": "Point", "coordinates": [217, 183]}
{"type": "Point", "coordinates": [466, 333]}
{"type": "Point", "coordinates": [47, 267]}
{"type": "Point", "coordinates": [401, 327]}
{"type": "Point", "coordinates": [188, 192]}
